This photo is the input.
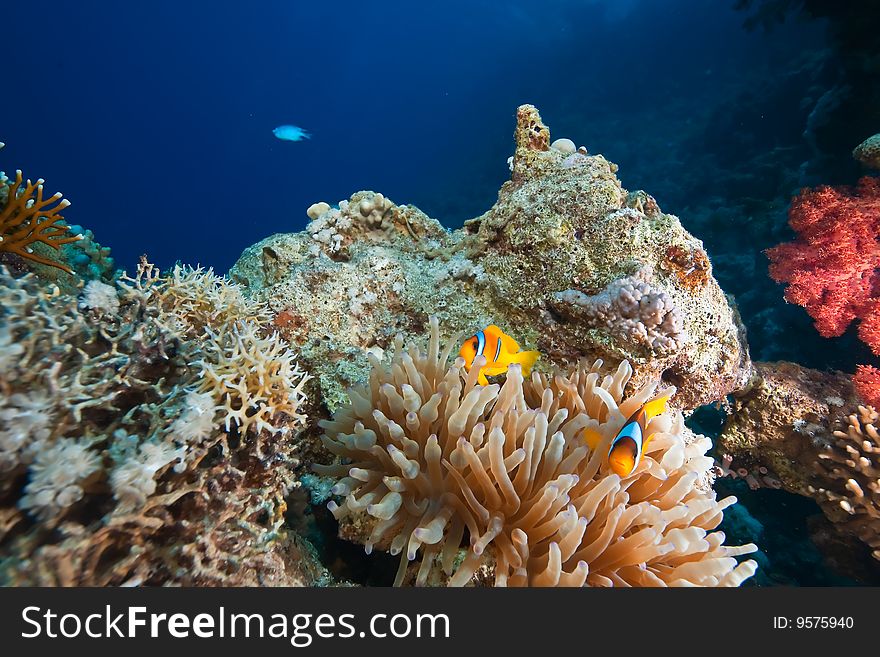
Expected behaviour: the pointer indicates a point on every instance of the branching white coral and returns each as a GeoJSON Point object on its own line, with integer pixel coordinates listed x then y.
{"type": "Point", "coordinates": [194, 298]}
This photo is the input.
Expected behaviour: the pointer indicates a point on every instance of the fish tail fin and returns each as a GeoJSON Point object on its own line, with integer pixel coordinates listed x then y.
{"type": "Point", "coordinates": [527, 360]}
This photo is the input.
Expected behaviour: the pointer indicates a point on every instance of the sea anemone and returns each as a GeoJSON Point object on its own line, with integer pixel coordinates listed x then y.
{"type": "Point", "coordinates": [499, 479]}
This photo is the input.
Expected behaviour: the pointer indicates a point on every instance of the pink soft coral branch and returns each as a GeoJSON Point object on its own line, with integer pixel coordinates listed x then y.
{"type": "Point", "coordinates": [833, 268]}
{"type": "Point", "coordinates": [867, 383]}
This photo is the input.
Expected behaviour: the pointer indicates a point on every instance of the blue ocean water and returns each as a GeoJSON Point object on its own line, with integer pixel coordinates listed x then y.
{"type": "Point", "coordinates": [156, 118]}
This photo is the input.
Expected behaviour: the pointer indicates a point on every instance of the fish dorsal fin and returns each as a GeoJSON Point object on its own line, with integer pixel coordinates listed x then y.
{"type": "Point", "coordinates": [656, 406]}
{"type": "Point", "coordinates": [508, 343]}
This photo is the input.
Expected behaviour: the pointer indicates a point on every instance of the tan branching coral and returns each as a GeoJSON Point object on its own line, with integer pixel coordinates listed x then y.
{"type": "Point", "coordinates": [255, 380]}
{"type": "Point", "coordinates": [27, 218]}
{"type": "Point", "coordinates": [194, 298]}
{"type": "Point", "coordinates": [431, 462]}
{"type": "Point", "coordinates": [851, 466]}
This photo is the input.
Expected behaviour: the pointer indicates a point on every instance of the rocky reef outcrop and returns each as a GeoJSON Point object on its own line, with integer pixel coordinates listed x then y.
{"type": "Point", "coordinates": [567, 261]}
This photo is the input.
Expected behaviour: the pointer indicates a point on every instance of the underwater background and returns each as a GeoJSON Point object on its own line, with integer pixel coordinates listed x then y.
{"type": "Point", "coordinates": [155, 120]}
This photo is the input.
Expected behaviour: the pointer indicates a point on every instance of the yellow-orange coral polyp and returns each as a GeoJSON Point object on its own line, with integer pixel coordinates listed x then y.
{"type": "Point", "coordinates": [467, 477]}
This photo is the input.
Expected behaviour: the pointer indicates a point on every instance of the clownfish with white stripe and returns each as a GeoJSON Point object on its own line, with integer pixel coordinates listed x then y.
{"type": "Point", "coordinates": [632, 440]}
{"type": "Point", "coordinates": [500, 351]}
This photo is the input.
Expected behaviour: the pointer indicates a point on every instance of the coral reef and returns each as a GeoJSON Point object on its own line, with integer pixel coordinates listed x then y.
{"type": "Point", "coordinates": [429, 457]}
{"type": "Point", "coordinates": [115, 468]}
{"type": "Point", "coordinates": [369, 269]}
{"type": "Point", "coordinates": [802, 430]}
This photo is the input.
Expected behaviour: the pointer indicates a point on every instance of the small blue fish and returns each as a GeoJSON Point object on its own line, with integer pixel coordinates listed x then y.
{"type": "Point", "coordinates": [291, 133]}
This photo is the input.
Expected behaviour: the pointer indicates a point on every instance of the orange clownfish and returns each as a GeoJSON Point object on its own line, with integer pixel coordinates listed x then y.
{"type": "Point", "coordinates": [500, 351]}
{"type": "Point", "coordinates": [631, 441]}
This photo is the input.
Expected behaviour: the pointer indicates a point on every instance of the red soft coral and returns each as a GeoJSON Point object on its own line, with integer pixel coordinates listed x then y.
{"type": "Point", "coordinates": [867, 383]}
{"type": "Point", "coordinates": [869, 327]}
{"type": "Point", "coordinates": [833, 268]}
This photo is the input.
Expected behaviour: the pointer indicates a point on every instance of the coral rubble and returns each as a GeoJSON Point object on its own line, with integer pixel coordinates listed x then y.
{"type": "Point", "coordinates": [429, 457]}
{"type": "Point", "coordinates": [562, 230]}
